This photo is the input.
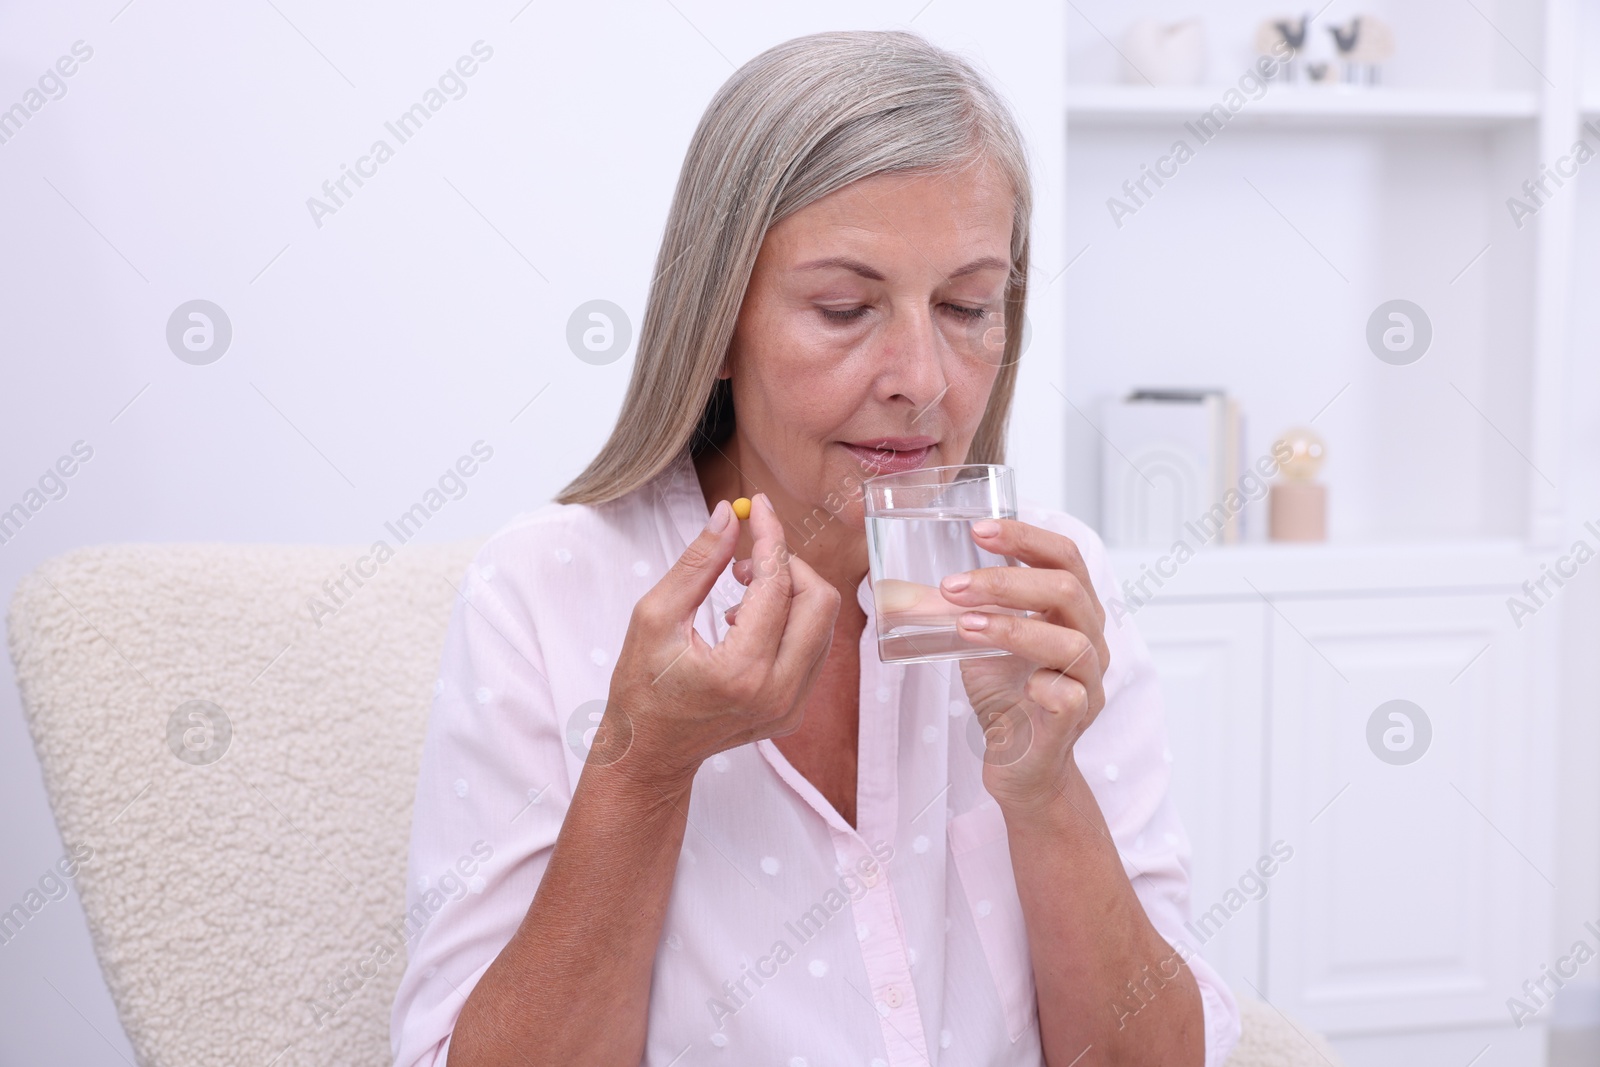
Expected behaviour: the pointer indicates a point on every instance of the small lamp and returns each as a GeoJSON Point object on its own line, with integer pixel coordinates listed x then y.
{"type": "Point", "coordinates": [1297, 506]}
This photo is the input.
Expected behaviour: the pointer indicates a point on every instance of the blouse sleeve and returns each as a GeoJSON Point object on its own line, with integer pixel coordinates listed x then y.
{"type": "Point", "coordinates": [1124, 757]}
{"type": "Point", "coordinates": [491, 794]}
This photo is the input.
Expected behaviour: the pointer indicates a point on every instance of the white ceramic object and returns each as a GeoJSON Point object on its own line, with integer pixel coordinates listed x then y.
{"type": "Point", "coordinates": [1165, 53]}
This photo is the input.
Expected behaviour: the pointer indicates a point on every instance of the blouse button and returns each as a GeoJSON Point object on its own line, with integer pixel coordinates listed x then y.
{"type": "Point", "coordinates": [870, 878]}
{"type": "Point", "coordinates": [892, 997]}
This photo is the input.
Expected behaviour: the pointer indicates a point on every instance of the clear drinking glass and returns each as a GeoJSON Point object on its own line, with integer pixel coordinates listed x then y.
{"type": "Point", "coordinates": [919, 530]}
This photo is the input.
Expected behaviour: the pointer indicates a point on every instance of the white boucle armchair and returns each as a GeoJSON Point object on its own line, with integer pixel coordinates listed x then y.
{"type": "Point", "coordinates": [231, 766]}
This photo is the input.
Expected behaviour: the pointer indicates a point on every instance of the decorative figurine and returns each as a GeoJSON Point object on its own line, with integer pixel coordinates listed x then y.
{"type": "Point", "coordinates": [1363, 45]}
{"type": "Point", "coordinates": [1271, 37]}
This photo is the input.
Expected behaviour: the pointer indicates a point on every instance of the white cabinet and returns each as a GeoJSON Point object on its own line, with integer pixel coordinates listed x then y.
{"type": "Point", "coordinates": [1210, 658]}
{"type": "Point", "coordinates": [1417, 897]}
{"type": "Point", "coordinates": [1412, 883]}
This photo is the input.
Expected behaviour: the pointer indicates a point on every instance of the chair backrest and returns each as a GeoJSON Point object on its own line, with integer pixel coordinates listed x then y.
{"type": "Point", "coordinates": [230, 738]}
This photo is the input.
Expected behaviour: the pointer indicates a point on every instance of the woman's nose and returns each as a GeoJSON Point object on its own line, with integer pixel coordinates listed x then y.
{"type": "Point", "coordinates": [915, 355]}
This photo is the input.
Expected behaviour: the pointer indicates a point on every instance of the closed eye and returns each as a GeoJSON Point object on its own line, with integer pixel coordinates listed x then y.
{"type": "Point", "coordinates": [966, 314]}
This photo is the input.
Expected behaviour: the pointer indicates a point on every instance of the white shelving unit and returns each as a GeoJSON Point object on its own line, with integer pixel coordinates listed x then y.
{"type": "Point", "coordinates": [1420, 109]}
{"type": "Point", "coordinates": [1254, 268]}
{"type": "Point", "coordinates": [1402, 192]}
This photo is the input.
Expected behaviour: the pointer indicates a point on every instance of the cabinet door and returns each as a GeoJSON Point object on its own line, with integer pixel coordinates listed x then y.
{"type": "Point", "coordinates": [1210, 657]}
{"type": "Point", "coordinates": [1419, 892]}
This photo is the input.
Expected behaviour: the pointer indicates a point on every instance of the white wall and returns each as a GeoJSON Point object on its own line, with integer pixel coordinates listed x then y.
{"type": "Point", "coordinates": [371, 351]}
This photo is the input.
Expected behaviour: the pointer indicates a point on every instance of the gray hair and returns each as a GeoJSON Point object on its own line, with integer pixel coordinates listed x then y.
{"type": "Point", "coordinates": [796, 123]}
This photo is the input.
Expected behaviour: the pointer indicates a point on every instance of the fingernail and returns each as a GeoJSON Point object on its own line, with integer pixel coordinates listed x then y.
{"type": "Point", "coordinates": [986, 528]}
{"type": "Point", "coordinates": [956, 582]}
{"type": "Point", "coordinates": [766, 503]}
{"type": "Point", "coordinates": [720, 517]}
{"type": "Point", "coordinates": [973, 620]}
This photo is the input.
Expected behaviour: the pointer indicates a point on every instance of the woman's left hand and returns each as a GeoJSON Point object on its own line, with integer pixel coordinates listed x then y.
{"type": "Point", "coordinates": [1034, 704]}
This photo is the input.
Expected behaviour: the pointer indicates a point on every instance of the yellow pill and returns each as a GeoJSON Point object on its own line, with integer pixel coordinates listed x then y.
{"type": "Point", "coordinates": [741, 507]}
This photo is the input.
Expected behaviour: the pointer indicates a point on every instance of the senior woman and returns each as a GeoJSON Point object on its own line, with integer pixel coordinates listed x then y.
{"type": "Point", "coordinates": [653, 829]}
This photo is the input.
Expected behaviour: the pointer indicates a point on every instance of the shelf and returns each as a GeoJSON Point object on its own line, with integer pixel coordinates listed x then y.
{"type": "Point", "coordinates": [1320, 107]}
{"type": "Point", "coordinates": [1326, 568]}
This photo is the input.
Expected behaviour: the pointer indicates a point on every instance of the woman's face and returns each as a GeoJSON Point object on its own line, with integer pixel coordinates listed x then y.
{"type": "Point", "coordinates": [875, 314]}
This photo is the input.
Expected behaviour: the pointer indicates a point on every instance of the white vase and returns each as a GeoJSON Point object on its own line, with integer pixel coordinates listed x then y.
{"type": "Point", "coordinates": [1165, 53]}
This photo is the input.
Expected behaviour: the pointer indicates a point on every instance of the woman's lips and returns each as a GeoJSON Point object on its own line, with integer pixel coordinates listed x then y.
{"type": "Point", "coordinates": [886, 461]}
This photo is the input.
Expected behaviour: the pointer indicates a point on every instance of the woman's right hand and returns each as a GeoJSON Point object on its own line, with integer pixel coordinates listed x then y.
{"type": "Point", "coordinates": [675, 700]}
